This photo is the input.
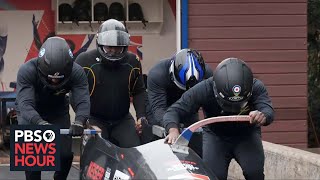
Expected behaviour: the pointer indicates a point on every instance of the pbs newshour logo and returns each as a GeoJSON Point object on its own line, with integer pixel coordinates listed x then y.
{"type": "Point", "coordinates": [34, 148]}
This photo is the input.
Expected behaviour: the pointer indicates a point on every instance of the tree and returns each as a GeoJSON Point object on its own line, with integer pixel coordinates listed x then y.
{"type": "Point", "coordinates": [314, 72]}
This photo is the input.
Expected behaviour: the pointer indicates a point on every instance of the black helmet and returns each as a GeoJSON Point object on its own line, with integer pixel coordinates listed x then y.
{"type": "Point", "coordinates": [112, 33]}
{"type": "Point", "coordinates": [187, 68]}
{"type": "Point", "coordinates": [116, 11]}
{"type": "Point", "coordinates": [65, 12]}
{"type": "Point", "coordinates": [82, 10]}
{"type": "Point", "coordinates": [100, 11]}
{"type": "Point", "coordinates": [135, 12]}
{"type": "Point", "coordinates": [232, 84]}
{"type": "Point", "coordinates": [55, 61]}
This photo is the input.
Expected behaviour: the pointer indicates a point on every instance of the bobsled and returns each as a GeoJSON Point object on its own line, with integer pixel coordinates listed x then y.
{"type": "Point", "coordinates": [100, 159]}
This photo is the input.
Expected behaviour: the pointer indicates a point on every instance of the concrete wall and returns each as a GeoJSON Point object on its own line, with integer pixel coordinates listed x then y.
{"type": "Point", "coordinates": [283, 162]}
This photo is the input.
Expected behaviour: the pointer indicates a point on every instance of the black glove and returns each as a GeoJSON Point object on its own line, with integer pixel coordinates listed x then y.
{"type": "Point", "coordinates": [76, 129]}
{"type": "Point", "coordinates": [140, 124]}
{"type": "Point", "coordinates": [42, 122]}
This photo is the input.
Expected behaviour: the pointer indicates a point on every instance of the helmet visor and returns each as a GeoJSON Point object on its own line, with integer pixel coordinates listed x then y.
{"type": "Point", "coordinates": [192, 81]}
{"type": "Point", "coordinates": [232, 107]}
{"type": "Point", "coordinates": [113, 38]}
{"type": "Point", "coordinates": [113, 49]}
{"type": "Point", "coordinates": [54, 81]}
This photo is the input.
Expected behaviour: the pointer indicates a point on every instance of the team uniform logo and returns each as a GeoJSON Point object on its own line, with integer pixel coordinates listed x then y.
{"type": "Point", "coordinates": [236, 92]}
{"type": "Point", "coordinates": [56, 75]}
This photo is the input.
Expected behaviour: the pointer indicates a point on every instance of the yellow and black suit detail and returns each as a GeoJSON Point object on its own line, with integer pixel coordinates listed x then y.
{"type": "Point", "coordinates": [111, 87]}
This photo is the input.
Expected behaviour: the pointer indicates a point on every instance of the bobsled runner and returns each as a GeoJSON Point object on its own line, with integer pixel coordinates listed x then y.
{"type": "Point", "coordinates": [100, 159]}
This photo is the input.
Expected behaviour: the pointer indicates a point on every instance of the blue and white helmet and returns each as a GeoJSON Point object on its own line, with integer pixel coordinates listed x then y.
{"type": "Point", "coordinates": [187, 68]}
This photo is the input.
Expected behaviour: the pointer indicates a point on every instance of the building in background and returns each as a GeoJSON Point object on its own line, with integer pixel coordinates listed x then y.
{"type": "Point", "coordinates": [270, 36]}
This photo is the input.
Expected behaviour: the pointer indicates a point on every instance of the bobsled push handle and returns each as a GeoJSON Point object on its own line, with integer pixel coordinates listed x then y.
{"type": "Point", "coordinates": [184, 138]}
{"type": "Point", "coordinates": [158, 131]}
{"type": "Point", "coordinates": [85, 131]}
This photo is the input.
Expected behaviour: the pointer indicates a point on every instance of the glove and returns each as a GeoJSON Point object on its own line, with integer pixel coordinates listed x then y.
{"type": "Point", "coordinates": [76, 129]}
{"type": "Point", "coordinates": [139, 123]}
{"type": "Point", "coordinates": [42, 122]}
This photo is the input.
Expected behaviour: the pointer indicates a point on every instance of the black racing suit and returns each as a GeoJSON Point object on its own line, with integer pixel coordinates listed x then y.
{"type": "Point", "coordinates": [35, 102]}
{"type": "Point", "coordinates": [162, 93]}
{"type": "Point", "coordinates": [226, 140]}
{"type": "Point", "coordinates": [111, 86]}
